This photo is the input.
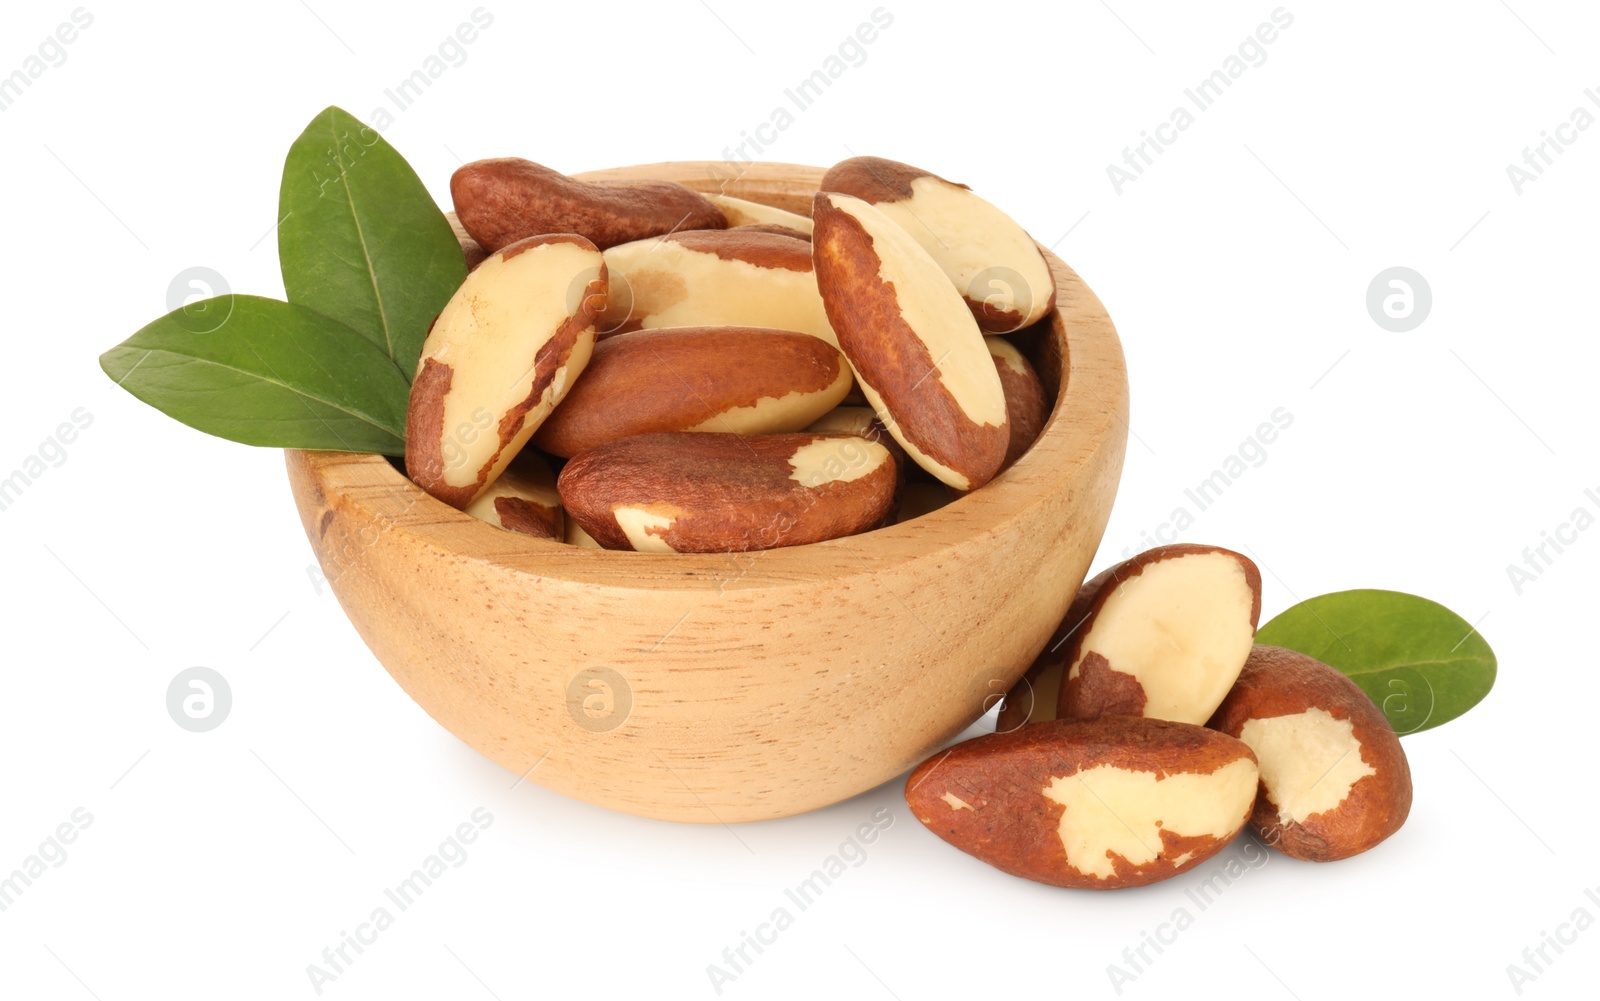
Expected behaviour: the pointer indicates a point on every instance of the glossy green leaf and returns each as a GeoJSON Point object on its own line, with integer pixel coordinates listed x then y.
{"type": "Point", "coordinates": [265, 372]}
{"type": "Point", "coordinates": [361, 240]}
{"type": "Point", "coordinates": [1420, 662]}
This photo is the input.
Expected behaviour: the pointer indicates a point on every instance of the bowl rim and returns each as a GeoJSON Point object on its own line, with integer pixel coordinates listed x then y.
{"type": "Point", "coordinates": [1090, 409]}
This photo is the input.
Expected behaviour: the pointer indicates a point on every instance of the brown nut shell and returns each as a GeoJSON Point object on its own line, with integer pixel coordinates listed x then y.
{"type": "Point", "coordinates": [918, 355]}
{"type": "Point", "coordinates": [471, 250]}
{"type": "Point", "coordinates": [1334, 779]}
{"type": "Point", "coordinates": [708, 492]}
{"type": "Point", "coordinates": [1100, 804]}
{"type": "Point", "coordinates": [1026, 403]}
{"type": "Point", "coordinates": [740, 380]}
{"type": "Point", "coordinates": [506, 199]}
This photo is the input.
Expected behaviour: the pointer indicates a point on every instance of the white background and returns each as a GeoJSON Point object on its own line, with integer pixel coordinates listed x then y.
{"type": "Point", "coordinates": [1375, 134]}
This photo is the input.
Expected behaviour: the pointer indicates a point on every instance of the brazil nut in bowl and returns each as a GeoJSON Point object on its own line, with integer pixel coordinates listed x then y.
{"type": "Point", "coordinates": [733, 686]}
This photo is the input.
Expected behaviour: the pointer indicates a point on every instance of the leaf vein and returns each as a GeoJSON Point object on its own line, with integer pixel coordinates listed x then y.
{"type": "Point", "coordinates": [276, 381]}
{"type": "Point", "coordinates": [366, 253]}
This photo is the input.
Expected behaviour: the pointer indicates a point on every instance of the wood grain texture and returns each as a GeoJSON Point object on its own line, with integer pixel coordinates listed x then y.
{"type": "Point", "coordinates": [761, 684]}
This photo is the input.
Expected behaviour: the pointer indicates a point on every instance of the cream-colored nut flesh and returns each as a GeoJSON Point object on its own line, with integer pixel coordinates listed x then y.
{"type": "Point", "coordinates": [835, 460]}
{"type": "Point", "coordinates": [742, 212]}
{"type": "Point", "coordinates": [960, 420]}
{"type": "Point", "coordinates": [863, 423]}
{"type": "Point", "coordinates": [778, 414]}
{"type": "Point", "coordinates": [523, 499]}
{"type": "Point", "coordinates": [502, 353]}
{"type": "Point", "coordinates": [956, 802]}
{"type": "Point", "coordinates": [1334, 778]}
{"type": "Point", "coordinates": [1007, 354]}
{"type": "Point", "coordinates": [1110, 810]}
{"type": "Point", "coordinates": [665, 283]}
{"type": "Point", "coordinates": [644, 526]}
{"type": "Point", "coordinates": [979, 247]}
{"type": "Point", "coordinates": [998, 269]}
{"type": "Point", "coordinates": [576, 536]}
{"type": "Point", "coordinates": [1309, 761]}
{"type": "Point", "coordinates": [1181, 629]}
{"type": "Point", "coordinates": [858, 421]}
{"type": "Point", "coordinates": [942, 472]}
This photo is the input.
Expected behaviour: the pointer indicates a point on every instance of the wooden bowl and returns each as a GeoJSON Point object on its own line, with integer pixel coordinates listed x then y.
{"type": "Point", "coordinates": [722, 688]}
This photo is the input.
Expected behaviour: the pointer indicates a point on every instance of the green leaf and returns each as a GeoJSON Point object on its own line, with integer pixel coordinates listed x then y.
{"type": "Point", "coordinates": [361, 240]}
{"type": "Point", "coordinates": [1420, 662]}
{"type": "Point", "coordinates": [265, 372]}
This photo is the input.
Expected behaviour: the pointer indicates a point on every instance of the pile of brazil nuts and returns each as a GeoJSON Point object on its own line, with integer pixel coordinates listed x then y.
{"type": "Point", "coordinates": [636, 366]}
{"type": "Point", "coordinates": [1153, 730]}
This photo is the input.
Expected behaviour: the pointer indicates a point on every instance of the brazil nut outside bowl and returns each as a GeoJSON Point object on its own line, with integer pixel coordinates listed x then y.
{"type": "Point", "coordinates": [722, 688]}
